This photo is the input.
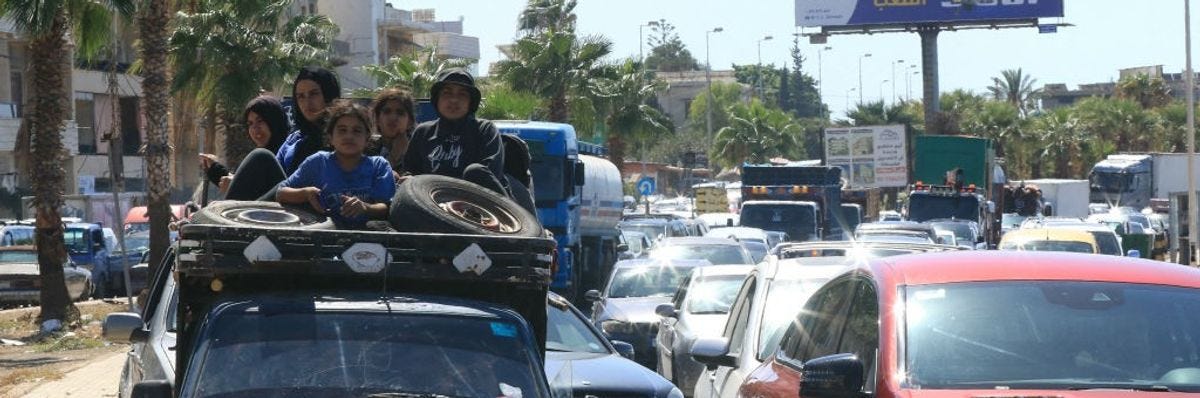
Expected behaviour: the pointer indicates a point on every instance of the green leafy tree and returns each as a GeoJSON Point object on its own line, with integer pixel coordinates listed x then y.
{"type": "Point", "coordinates": [724, 95]}
{"type": "Point", "coordinates": [415, 72]}
{"type": "Point", "coordinates": [1059, 141]}
{"type": "Point", "coordinates": [501, 102]}
{"type": "Point", "coordinates": [749, 75]}
{"type": "Point", "coordinates": [547, 16]}
{"type": "Point", "coordinates": [956, 106]}
{"type": "Point", "coordinates": [877, 113]}
{"type": "Point", "coordinates": [1149, 92]}
{"type": "Point", "coordinates": [803, 99]}
{"type": "Point", "coordinates": [756, 134]}
{"type": "Point", "coordinates": [1121, 122]}
{"type": "Point", "coordinates": [1016, 88]}
{"type": "Point", "coordinates": [229, 51]}
{"type": "Point", "coordinates": [667, 51]}
{"type": "Point", "coordinates": [629, 117]}
{"type": "Point", "coordinates": [46, 24]}
{"type": "Point", "coordinates": [999, 121]}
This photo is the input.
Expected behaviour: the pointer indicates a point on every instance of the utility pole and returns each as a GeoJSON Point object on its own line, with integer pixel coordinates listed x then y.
{"type": "Point", "coordinates": [758, 70]}
{"type": "Point", "coordinates": [860, 89]}
{"type": "Point", "coordinates": [708, 87]}
{"type": "Point", "coordinates": [1191, 133]}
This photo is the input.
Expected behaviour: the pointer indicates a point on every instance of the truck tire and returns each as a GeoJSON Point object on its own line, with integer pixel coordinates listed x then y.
{"type": "Point", "coordinates": [439, 204]}
{"type": "Point", "coordinates": [260, 214]}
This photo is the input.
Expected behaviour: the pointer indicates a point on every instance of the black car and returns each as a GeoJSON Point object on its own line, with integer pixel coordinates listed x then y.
{"type": "Point", "coordinates": [578, 357]}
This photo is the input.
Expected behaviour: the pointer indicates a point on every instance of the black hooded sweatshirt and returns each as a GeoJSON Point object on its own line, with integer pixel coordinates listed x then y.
{"type": "Point", "coordinates": [446, 147]}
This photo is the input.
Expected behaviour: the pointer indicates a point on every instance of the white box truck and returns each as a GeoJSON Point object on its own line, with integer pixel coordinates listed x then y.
{"type": "Point", "coordinates": [1065, 198]}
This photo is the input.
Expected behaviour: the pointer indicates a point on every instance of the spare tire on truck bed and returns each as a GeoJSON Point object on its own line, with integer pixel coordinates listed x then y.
{"type": "Point", "coordinates": [261, 214]}
{"type": "Point", "coordinates": [439, 204]}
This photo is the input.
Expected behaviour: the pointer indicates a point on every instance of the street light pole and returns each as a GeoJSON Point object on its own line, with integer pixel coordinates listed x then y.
{"type": "Point", "coordinates": [882, 100]}
{"type": "Point", "coordinates": [899, 61]}
{"type": "Point", "coordinates": [708, 84]}
{"type": "Point", "coordinates": [1191, 133]}
{"type": "Point", "coordinates": [908, 82]}
{"type": "Point", "coordinates": [847, 105]}
{"type": "Point", "coordinates": [821, 76]}
{"type": "Point", "coordinates": [758, 70]}
{"type": "Point", "coordinates": [860, 90]}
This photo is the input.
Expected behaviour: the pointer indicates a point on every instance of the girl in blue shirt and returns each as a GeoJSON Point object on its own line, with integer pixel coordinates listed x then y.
{"type": "Point", "coordinates": [344, 184]}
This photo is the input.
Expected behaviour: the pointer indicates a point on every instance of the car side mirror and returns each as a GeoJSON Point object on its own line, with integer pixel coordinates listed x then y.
{"type": "Point", "coordinates": [838, 375]}
{"type": "Point", "coordinates": [152, 389]}
{"type": "Point", "coordinates": [592, 295]}
{"type": "Point", "coordinates": [625, 255]}
{"type": "Point", "coordinates": [1135, 253]}
{"type": "Point", "coordinates": [623, 348]}
{"type": "Point", "coordinates": [580, 173]}
{"type": "Point", "coordinates": [622, 248]}
{"type": "Point", "coordinates": [713, 352]}
{"type": "Point", "coordinates": [666, 310]}
{"type": "Point", "coordinates": [124, 327]}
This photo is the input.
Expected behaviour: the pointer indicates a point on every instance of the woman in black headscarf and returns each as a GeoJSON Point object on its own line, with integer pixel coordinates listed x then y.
{"type": "Point", "coordinates": [267, 125]}
{"type": "Point", "coordinates": [313, 90]}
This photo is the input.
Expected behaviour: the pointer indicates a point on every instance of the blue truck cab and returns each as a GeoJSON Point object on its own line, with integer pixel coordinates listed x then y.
{"type": "Point", "coordinates": [94, 247]}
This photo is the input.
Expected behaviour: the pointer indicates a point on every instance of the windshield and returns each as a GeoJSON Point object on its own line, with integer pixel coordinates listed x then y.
{"type": "Point", "coordinates": [1107, 242]}
{"type": "Point", "coordinates": [713, 295]}
{"type": "Point", "coordinates": [1041, 245]}
{"type": "Point", "coordinates": [962, 231]}
{"type": "Point", "coordinates": [1051, 335]}
{"type": "Point", "coordinates": [566, 332]}
{"type": "Point", "coordinates": [798, 221]}
{"type": "Point", "coordinates": [15, 256]}
{"type": "Point", "coordinates": [137, 242]}
{"type": "Point", "coordinates": [1111, 182]}
{"type": "Point", "coordinates": [715, 254]}
{"type": "Point", "coordinates": [758, 250]}
{"type": "Point", "coordinates": [1012, 220]}
{"type": "Point", "coordinates": [927, 207]}
{"type": "Point", "coordinates": [894, 238]}
{"type": "Point", "coordinates": [784, 299]}
{"type": "Point", "coordinates": [547, 172]}
{"type": "Point", "coordinates": [355, 354]}
{"type": "Point", "coordinates": [653, 231]}
{"type": "Point", "coordinates": [650, 281]}
{"type": "Point", "coordinates": [76, 240]}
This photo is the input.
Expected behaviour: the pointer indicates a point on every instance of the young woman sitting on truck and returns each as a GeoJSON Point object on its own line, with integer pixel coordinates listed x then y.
{"type": "Point", "coordinates": [394, 121]}
{"type": "Point", "coordinates": [344, 184]}
{"type": "Point", "coordinates": [267, 126]}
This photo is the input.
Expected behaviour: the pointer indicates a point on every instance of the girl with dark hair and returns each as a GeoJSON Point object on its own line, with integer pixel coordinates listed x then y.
{"type": "Point", "coordinates": [344, 184]}
{"type": "Point", "coordinates": [267, 125]}
{"type": "Point", "coordinates": [313, 90]}
{"type": "Point", "coordinates": [394, 121]}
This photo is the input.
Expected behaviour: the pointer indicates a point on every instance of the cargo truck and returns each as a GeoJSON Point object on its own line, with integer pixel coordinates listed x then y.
{"type": "Point", "coordinates": [957, 177]}
{"type": "Point", "coordinates": [818, 185]}
{"type": "Point", "coordinates": [1133, 179]}
{"type": "Point", "coordinates": [1060, 197]}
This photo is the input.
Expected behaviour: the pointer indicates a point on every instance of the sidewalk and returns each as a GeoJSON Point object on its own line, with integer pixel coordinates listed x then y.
{"type": "Point", "coordinates": [94, 380]}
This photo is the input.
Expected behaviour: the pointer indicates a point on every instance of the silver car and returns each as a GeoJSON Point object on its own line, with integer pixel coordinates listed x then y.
{"type": "Point", "coordinates": [20, 280]}
{"type": "Point", "coordinates": [150, 332]}
{"type": "Point", "coordinates": [699, 309]}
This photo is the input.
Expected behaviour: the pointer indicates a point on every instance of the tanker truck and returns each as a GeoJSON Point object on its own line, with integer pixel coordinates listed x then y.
{"type": "Point", "coordinates": [578, 195]}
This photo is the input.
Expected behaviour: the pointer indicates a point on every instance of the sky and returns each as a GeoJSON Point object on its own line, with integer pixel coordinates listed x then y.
{"type": "Point", "coordinates": [1107, 35]}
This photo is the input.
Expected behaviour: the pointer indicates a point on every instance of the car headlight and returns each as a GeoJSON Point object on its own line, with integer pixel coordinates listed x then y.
{"type": "Point", "coordinates": [675, 393]}
{"type": "Point", "coordinates": [614, 326]}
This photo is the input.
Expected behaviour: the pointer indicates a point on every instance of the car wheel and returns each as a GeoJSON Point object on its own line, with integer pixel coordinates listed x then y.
{"type": "Point", "coordinates": [439, 204]}
{"type": "Point", "coordinates": [261, 214]}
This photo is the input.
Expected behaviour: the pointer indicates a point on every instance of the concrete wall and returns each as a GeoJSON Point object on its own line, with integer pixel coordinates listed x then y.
{"type": "Point", "coordinates": [359, 37]}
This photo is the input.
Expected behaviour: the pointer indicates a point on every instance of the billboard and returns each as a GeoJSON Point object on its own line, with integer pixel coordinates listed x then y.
{"type": "Point", "coordinates": [818, 13]}
{"type": "Point", "coordinates": [870, 156]}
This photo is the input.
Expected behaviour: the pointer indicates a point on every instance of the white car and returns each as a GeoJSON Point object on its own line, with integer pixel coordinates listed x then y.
{"type": "Point", "coordinates": [699, 309]}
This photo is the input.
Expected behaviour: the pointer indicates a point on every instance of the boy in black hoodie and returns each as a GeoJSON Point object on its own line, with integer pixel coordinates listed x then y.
{"type": "Point", "coordinates": [457, 144]}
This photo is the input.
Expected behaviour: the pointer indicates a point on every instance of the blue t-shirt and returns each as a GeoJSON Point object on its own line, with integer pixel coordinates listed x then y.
{"type": "Point", "coordinates": [371, 181]}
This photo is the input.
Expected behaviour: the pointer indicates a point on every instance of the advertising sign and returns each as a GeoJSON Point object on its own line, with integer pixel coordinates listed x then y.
{"type": "Point", "coordinates": [870, 156]}
{"type": "Point", "coordinates": [818, 13]}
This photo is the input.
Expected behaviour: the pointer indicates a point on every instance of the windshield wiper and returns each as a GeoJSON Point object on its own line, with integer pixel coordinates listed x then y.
{"type": "Point", "coordinates": [408, 395]}
{"type": "Point", "coordinates": [1123, 386]}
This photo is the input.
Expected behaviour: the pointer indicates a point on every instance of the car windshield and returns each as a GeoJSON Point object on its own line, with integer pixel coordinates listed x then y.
{"type": "Point", "coordinates": [895, 238]}
{"type": "Point", "coordinates": [76, 240]}
{"type": "Point", "coordinates": [18, 256]}
{"type": "Point", "coordinates": [1111, 182]}
{"type": "Point", "coordinates": [713, 295]}
{"type": "Point", "coordinates": [963, 232]}
{"type": "Point", "coordinates": [356, 354]}
{"type": "Point", "coordinates": [757, 250]}
{"type": "Point", "coordinates": [715, 254]}
{"type": "Point", "coordinates": [798, 221]}
{"type": "Point", "coordinates": [654, 231]}
{"type": "Point", "coordinates": [566, 332]}
{"type": "Point", "coordinates": [784, 299]}
{"type": "Point", "coordinates": [137, 242]}
{"type": "Point", "coordinates": [650, 281]}
{"type": "Point", "coordinates": [1012, 220]}
{"type": "Point", "coordinates": [1051, 335]}
{"type": "Point", "coordinates": [1050, 246]}
{"type": "Point", "coordinates": [927, 207]}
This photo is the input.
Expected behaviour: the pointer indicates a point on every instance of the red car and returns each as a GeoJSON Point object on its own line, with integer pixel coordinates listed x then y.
{"type": "Point", "coordinates": [975, 324]}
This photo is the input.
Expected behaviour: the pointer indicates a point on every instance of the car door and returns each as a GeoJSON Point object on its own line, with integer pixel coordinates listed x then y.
{"type": "Point", "coordinates": [137, 366]}
{"type": "Point", "coordinates": [725, 380]}
{"type": "Point", "coordinates": [668, 333]}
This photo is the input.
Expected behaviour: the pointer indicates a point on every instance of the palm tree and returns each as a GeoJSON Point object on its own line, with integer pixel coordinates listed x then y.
{"type": "Point", "coordinates": [547, 15]}
{"type": "Point", "coordinates": [1016, 88]}
{"type": "Point", "coordinates": [153, 19]}
{"type": "Point", "coordinates": [1149, 92]}
{"type": "Point", "coordinates": [47, 25]}
{"type": "Point", "coordinates": [555, 66]}
{"type": "Point", "coordinates": [1060, 139]}
{"type": "Point", "coordinates": [501, 102]}
{"type": "Point", "coordinates": [1000, 121]}
{"type": "Point", "coordinates": [876, 113]}
{"type": "Point", "coordinates": [229, 51]}
{"type": "Point", "coordinates": [756, 134]}
{"type": "Point", "coordinates": [629, 117]}
{"type": "Point", "coordinates": [415, 72]}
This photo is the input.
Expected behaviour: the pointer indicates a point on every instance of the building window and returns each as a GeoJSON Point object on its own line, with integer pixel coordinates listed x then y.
{"type": "Point", "coordinates": [85, 121]}
{"type": "Point", "coordinates": [18, 90]}
{"type": "Point", "coordinates": [131, 134]}
{"type": "Point", "coordinates": [687, 107]}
